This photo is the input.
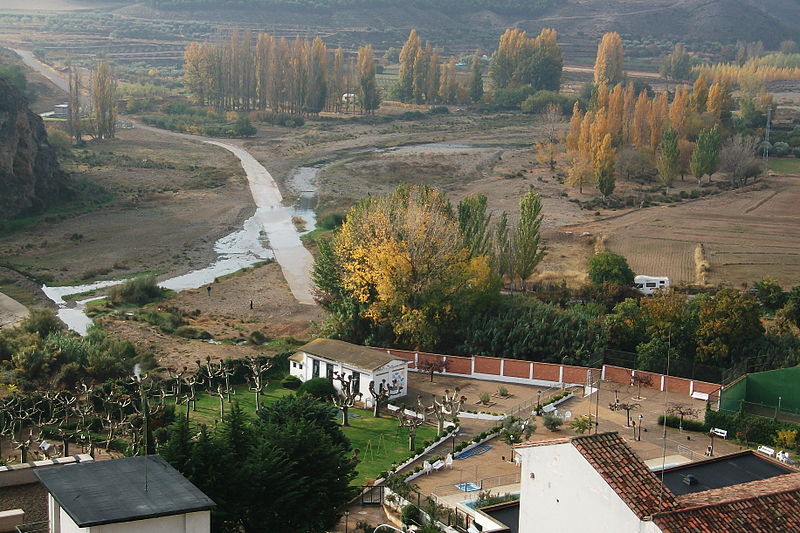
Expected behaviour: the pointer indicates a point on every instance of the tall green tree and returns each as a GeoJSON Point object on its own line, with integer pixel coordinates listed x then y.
{"type": "Point", "coordinates": [104, 100]}
{"type": "Point", "coordinates": [476, 78]}
{"type": "Point", "coordinates": [669, 158]}
{"type": "Point", "coordinates": [705, 157]}
{"type": "Point", "coordinates": [368, 94]}
{"type": "Point", "coordinates": [528, 248]}
{"type": "Point", "coordinates": [473, 222]}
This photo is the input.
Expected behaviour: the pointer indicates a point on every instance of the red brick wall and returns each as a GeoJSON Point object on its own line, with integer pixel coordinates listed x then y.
{"type": "Point", "coordinates": [459, 365]}
{"type": "Point", "coordinates": [487, 365]}
{"type": "Point", "coordinates": [545, 371]}
{"type": "Point", "coordinates": [707, 388]}
{"type": "Point", "coordinates": [517, 369]}
{"type": "Point", "coordinates": [618, 374]}
{"type": "Point", "coordinates": [574, 374]}
{"type": "Point", "coordinates": [680, 385]}
{"type": "Point", "coordinates": [655, 380]}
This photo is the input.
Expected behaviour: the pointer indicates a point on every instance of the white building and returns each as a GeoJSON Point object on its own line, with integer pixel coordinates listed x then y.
{"type": "Point", "coordinates": [597, 483]}
{"type": "Point", "coordinates": [322, 358]}
{"type": "Point", "coordinates": [130, 495]}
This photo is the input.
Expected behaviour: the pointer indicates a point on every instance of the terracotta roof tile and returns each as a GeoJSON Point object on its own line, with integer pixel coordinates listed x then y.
{"type": "Point", "coordinates": [768, 513]}
{"type": "Point", "coordinates": [622, 469]}
{"type": "Point", "coordinates": [742, 491]}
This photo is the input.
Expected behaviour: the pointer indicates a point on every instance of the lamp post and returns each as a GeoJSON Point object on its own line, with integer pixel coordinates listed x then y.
{"type": "Point", "coordinates": [778, 410]}
{"type": "Point", "coordinates": [346, 520]}
{"type": "Point", "coordinates": [538, 401]}
{"type": "Point", "coordinates": [640, 427]}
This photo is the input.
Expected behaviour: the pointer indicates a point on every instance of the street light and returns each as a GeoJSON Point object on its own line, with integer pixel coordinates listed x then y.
{"type": "Point", "coordinates": [346, 520]}
{"type": "Point", "coordinates": [640, 427]}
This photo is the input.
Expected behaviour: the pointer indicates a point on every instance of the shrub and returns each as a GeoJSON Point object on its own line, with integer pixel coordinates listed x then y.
{"type": "Point", "coordinates": [755, 429]}
{"type": "Point", "coordinates": [780, 149]}
{"type": "Point", "coordinates": [552, 421]}
{"type": "Point", "coordinates": [538, 102]}
{"type": "Point", "coordinates": [291, 383]}
{"type": "Point", "coordinates": [512, 98]}
{"type": "Point", "coordinates": [319, 388]}
{"type": "Point", "coordinates": [609, 267]}
{"type": "Point", "coordinates": [409, 514]}
{"type": "Point", "coordinates": [485, 398]}
{"type": "Point", "coordinates": [439, 110]}
{"type": "Point", "coordinates": [331, 221]}
{"type": "Point", "coordinates": [137, 291]}
{"type": "Point", "coordinates": [688, 424]}
{"type": "Point", "coordinates": [42, 321]}
{"type": "Point", "coordinates": [189, 332]}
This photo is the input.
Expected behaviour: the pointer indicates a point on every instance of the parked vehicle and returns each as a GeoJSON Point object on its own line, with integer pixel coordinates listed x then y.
{"type": "Point", "coordinates": [647, 285]}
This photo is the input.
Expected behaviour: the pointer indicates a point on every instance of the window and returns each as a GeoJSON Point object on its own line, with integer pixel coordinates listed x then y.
{"type": "Point", "coordinates": [330, 371]}
{"type": "Point", "coordinates": [651, 284]}
{"type": "Point", "coordinates": [356, 381]}
{"type": "Point", "coordinates": [315, 369]}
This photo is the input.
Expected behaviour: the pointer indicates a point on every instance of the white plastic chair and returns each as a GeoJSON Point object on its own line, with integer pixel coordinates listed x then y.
{"type": "Point", "coordinates": [426, 467]}
{"type": "Point", "coordinates": [448, 461]}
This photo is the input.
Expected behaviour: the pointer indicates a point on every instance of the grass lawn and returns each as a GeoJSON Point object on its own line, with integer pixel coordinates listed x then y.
{"type": "Point", "coordinates": [379, 440]}
{"type": "Point", "coordinates": [785, 166]}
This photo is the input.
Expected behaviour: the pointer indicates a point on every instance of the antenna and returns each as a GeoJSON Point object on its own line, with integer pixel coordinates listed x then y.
{"type": "Point", "coordinates": [664, 435]}
{"type": "Point", "coordinates": [137, 374]}
{"type": "Point", "coordinates": [766, 140]}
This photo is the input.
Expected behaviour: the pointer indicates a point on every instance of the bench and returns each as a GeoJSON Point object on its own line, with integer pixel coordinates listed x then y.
{"type": "Point", "coordinates": [700, 396]}
{"type": "Point", "coordinates": [766, 450]}
{"type": "Point", "coordinates": [720, 432]}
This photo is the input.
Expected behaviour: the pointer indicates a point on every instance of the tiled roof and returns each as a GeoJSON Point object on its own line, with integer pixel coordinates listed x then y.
{"type": "Point", "coordinates": [362, 357]}
{"type": "Point", "coordinates": [622, 469]}
{"type": "Point", "coordinates": [768, 513]}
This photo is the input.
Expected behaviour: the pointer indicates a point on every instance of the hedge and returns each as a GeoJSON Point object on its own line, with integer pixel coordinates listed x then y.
{"type": "Point", "coordinates": [755, 429]}
{"type": "Point", "coordinates": [688, 423]}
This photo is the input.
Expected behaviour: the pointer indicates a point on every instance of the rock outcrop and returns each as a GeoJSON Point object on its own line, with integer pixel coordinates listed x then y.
{"type": "Point", "coordinates": [30, 178]}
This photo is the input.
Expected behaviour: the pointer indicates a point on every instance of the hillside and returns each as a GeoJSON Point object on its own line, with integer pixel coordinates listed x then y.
{"type": "Point", "coordinates": [724, 21]}
{"type": "Point", "coordinates": [30, 178]}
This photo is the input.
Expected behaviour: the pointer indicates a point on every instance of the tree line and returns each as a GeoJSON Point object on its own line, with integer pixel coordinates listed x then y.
{"type": "Point", "coordinates": [260, 71]}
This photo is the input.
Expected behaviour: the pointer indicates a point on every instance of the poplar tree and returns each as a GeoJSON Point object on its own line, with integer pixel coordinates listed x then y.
{"type": "Point", "coordinates": [405, 77]}
{"type": "Point", "coordinates": [604, 167]}
{"type": "Point", "coordinates": [367, 87]}
{"type": "Point", "coordinates": [699, 95]}
{"type": "Point", "coordinates": [104, 100]}
{"type": "Point", "coordinates": [528, 248]}
{"type": "Point", "coordinates": [476, 78]}
{"type": "Point", "coordinates": [705, 158]}
{"type": "Point", "coordinates": [608, 67]}
{"type": "Point", "coordinates": [74, 117]}
{"type": "Point", "coordinates": [317, 64]}
{"type": "Point", "coordinates": [668, 160]}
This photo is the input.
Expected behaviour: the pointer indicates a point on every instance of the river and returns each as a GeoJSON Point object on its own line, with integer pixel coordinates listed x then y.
{"type": "Point", "coordinates": [269, 233]}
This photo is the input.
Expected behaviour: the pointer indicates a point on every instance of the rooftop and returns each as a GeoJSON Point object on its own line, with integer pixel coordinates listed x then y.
{"type": "Point", "coordinates": [622, 469]}
{"type": "Point", "coordinates": [721, 472]}
{"type": "Point", "coordinates": [107, 492]}
{"type": "Point", "coordinates": [362, 357]}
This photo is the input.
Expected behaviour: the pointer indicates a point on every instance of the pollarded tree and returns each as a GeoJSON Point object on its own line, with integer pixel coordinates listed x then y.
{"type": "Point", "coordinates": [528, 249]}
{"type": "Point", "coordinates": [668, 160]}
{"type": "Point", "coordinates": [348, 395]}
{"type": "Point", "coordinates": [381, 395]}
{"type": "Point", "coordinates": [608, 67]}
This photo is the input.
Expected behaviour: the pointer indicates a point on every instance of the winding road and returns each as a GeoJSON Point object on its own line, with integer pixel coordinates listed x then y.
{"type": "Point", "coordinates": [272, 219]}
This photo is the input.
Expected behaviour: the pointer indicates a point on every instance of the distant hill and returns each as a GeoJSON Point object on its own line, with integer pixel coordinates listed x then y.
{"type": "Point", "coordinates": [461, 24]}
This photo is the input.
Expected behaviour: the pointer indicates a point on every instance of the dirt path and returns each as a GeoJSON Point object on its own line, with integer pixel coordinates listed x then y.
{"type": "Point", "coordinates": [11, 311]}
{"type": "Point", "coordinates": [273, 218]}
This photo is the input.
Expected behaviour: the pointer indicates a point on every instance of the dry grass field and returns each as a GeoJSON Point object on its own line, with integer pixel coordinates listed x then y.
{"type": "Point", "coordinates": [747, 234]}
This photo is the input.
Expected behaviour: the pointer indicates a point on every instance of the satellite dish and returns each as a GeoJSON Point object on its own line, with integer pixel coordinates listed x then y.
{"type": "Point", "coordinates": [568, 415]}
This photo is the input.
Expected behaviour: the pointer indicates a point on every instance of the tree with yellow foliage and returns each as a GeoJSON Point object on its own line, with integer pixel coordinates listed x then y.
{"type": "Point", "coordinates": [699, 97]}
{"type": "Point", "coordinates": [603, 164]}
{"type": "Point", "coordinates": [640, 135]}
{"type": "Point", "coordinates": [608, 67]}
{"type": "Point", "coordinates": [399, 265]}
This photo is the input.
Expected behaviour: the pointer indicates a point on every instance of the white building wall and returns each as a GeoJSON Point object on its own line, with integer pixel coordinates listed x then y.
{"type": "Point", "coordinates": [198, 522]}
{"type": "Point", "coordinates": [566, 494]}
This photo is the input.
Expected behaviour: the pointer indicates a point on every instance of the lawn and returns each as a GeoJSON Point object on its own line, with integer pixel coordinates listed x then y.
{"type": "Point", "coordinates": [379, 440]}
{"type": "Point", "coordinates": [785, 166]}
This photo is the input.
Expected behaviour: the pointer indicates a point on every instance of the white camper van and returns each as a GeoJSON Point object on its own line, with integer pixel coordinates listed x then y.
{"type": "Point", "coordinates": [647, 285]}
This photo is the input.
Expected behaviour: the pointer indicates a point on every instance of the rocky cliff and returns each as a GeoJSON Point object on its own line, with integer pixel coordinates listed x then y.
{"type": "Point", "coordinates": [30, 178]}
